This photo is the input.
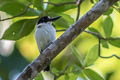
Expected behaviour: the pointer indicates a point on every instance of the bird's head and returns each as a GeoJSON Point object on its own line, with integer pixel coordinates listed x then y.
{"type": "Point", "coordinates": [46, 19]}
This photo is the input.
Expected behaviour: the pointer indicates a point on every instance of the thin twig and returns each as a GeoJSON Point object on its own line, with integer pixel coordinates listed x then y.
{"type": "Point", "coordinates": [67, 66]}
{"type": "Point", "coordinates": [99, 50]}
{"type": "Point", "coordinates": [78, 12]}
{"type": "Point", "coordinates": [95, 34]}
{"type": "Point", "coordinates": [61, 30]}
{"type": "Point", "coordinates": [106, 57]}
{"type": "Point", "coordinates": [112, 38]}
{"type": "Point", "coordinates": [63, 72]}
{"type": "Point", "coordinates": [99, 46]}
{"type": "Point", "coordinates": [118, 57]}
{"type": "Point", "coordinates": [22, 13]}
{"type": "Point", "coordinates": [100, 37]}
{"type": "Point", "coordinates": [60, 4]}
{"type": "Point", "coordinates": [78, 2]}
{"type": "Point", "coordinates": [116, 8]}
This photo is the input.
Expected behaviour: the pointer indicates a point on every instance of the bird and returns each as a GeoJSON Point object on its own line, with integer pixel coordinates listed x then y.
{"type": "Point", "coordinates": [45, 33]}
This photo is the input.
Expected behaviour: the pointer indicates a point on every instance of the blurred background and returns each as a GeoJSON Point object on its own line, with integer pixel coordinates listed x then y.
{"type": "Point", "coordinates": [16, 55]}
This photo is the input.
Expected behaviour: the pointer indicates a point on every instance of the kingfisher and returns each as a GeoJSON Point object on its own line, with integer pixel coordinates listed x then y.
{"type": "Point", "coordinates": [45, 33]}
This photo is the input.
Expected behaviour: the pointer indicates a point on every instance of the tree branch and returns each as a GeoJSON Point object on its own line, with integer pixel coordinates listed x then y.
{"type": "Point", "coordinates": [32, 70]}
{"type": "Point", "coordinates": [22, 13]}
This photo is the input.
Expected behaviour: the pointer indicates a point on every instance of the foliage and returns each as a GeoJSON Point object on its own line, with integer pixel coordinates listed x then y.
{"type": "Point", "coordinates": [88, 61]}
{"type": "Point", "coordinates": [26, 17]}
{"type": "Point", "coordinates": [19, 29]}
{"type": "Point", "coordinates": [7, 7]}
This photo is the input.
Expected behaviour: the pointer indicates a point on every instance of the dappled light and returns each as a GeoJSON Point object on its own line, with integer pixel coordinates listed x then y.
{"type": "Point", "coordinates": [80, 60]}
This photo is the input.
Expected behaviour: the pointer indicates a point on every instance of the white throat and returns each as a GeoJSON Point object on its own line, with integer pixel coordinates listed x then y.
{"type": "Point", "coordinates": [44, 24]}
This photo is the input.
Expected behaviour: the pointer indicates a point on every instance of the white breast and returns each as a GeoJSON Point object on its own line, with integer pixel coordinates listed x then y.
{"type": "Point", "coordinates": [45, 34]}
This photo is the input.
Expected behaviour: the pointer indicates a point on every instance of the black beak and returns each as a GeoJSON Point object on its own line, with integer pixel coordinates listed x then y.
{"type": "Point", "coordinates": [55, 18]}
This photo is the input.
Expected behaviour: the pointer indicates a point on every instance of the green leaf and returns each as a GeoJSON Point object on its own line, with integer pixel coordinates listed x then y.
{"type": "Point", "coordinates": [118, 4]}
{"type": "Point", "coordinates": [30, 1]}
{"type": "Point", "coordinates": [77, 55]}
{"type": "Point", "coordinates": [92, 1]}
{"type": "Point", "coordinates": [62, 8]}
{"type": "Point", "coordinates": [93, 30]}
{"type": "Point", "coordinates": [15, 8]}
{"type": "Point", "coordinates": [109, 75]}
{"type": "Point", "coordinates": [70, 76]}
{"type": "Point", "coordinates": [82, 76]}
{"type": "Point", "coordinates": [39, 77]}
{"type": "Point", "coordinates": [19, 29]}
{"type": "Point", "coordinates": [2, 1]}
{"type": "Point", "coordinates": [66, 77]}
{"type": "Point", "coordinates": [54, 70]}
{"type": "Point", "coordinates": [104, 44]}
{"type": "Point", "coordinates": [0, 61]}
{"type": "Point", "coordinates": [109, 11]}
{"type": "Point", "coordinates": [93, 75]}
{"type": "Point", "coordinates": [108, 26]}
{"type": "Point", "coordinates": [38, 4]}
{"type": "Point", "coordinates": [92, 56]}
{"type": "Point", "coordinates": [76, 69]}
{"type": "Point", "coordinates": [64, 22]}
{"type": "Point", "coordinates": [115, 42]}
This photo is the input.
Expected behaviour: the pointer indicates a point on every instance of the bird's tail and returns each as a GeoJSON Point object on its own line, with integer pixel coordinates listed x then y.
{"type": "Point", "coordinates": [47, 68]}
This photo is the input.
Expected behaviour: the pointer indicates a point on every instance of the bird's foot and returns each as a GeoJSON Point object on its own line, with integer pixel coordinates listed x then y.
{"type": "Point", "coordinates": [41, 51]}
{"type": "Point", "coordinates": [45, 47]}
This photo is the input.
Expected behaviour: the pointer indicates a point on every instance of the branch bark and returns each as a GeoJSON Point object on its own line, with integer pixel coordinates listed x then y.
{"type": "Point", "coordinates": [57, 46]}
